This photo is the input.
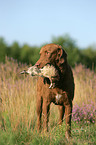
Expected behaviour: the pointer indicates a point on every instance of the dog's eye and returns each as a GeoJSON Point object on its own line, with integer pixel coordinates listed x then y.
{"type": "Point", "coordinates": [46, 52]}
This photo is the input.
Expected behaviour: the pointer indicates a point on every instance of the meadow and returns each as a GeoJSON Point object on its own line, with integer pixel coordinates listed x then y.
{"type": "Point", "coordinates": [18, 109]}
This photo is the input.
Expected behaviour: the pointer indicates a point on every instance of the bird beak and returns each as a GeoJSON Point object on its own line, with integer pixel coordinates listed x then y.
{"type": "Point", "coordinates": [24, 72]}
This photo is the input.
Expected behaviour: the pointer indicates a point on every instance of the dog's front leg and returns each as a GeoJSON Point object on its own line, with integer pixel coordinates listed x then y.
{"type": "Point", "coordinates": [46, 112]}
{"type": "Point", "coordinates": [39, 112]}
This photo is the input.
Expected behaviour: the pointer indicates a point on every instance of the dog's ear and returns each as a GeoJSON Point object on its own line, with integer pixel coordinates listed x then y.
{"type": "Point", "coordinates": [61, 55]}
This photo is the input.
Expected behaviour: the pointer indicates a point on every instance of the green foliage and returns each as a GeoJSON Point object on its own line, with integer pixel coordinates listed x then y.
{"type": "Point", "coordinates": [89, 57]}
{"type": "Point", "coordinates": [76, 55]}
{"type": "Point", "coordinates": [28, 54]}
{"type": "Point", "coordinates": [3, 47]}
{"type": "Point", "coordinates": [80, 135]}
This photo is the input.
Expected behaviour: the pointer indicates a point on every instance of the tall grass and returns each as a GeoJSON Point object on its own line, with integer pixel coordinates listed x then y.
{"type": "Point", "coordinates": [18, 96]}
{"type": "Point", "coordinates": [18, 103]}
{"type": "Point", "coordinates": [85, 85]}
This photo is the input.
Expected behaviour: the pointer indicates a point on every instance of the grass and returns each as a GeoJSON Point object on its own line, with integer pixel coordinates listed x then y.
{"type": "Point", "coordinates": [81, 134]}
{"type": "Point", "coordinates": [18, 109]}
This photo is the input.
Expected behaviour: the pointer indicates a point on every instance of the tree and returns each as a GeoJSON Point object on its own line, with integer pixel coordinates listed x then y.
{"type": "Point", "coordinates": [3, 47]}
{"type": "Point", "coordinates": [70, 47]}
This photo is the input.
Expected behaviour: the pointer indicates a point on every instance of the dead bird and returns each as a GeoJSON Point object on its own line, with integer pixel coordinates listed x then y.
{"type": "Point", "coordinates": [48, 71]}
{"type": "Point", "coordinates": [33, 71]}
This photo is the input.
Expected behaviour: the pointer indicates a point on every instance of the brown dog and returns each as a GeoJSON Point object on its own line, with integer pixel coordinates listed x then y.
{"type": "Point", "coordinates": [62, 94]}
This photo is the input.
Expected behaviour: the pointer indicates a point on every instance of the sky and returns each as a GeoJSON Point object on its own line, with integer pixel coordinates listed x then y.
{"type": "Point", "coordinates": [35, 22]}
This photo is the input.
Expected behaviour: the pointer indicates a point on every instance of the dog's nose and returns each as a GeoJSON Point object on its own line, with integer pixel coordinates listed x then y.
{"type": "Point", "coordinates": [37, 64]}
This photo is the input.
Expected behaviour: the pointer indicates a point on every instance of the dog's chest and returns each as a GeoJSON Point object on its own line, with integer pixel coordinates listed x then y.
{"type": "Point", "coordinates": [58, 96]}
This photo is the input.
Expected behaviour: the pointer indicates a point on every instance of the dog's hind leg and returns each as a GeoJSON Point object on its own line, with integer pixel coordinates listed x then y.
{"type": "Point", "coordinates": [68, 114]}
{"type": "Point", "coordinates": [61, 111]}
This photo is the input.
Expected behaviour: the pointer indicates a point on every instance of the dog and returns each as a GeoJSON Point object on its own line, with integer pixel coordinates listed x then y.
{"type": "Point", "coordinates": [62, 95]}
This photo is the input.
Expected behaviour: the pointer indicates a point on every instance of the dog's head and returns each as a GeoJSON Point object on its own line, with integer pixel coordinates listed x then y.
{"type": "Point", "coordinates": [51, 54]}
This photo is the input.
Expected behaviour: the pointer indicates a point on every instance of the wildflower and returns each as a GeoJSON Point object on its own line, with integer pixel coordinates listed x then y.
{"type": "Point", "coordinates": [86, 113]}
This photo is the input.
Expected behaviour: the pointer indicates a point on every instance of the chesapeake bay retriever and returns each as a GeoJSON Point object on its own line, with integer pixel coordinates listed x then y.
{"type": "Point", "coordinates": [62, 95]}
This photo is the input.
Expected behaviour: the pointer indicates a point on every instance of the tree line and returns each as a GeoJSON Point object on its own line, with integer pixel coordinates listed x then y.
{"type": "Point", "coordinates": [30, 54]}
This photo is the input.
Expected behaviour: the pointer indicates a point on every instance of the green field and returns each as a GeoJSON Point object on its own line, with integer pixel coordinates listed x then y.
{"type": "Point", "coordinates": [18, 109]}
